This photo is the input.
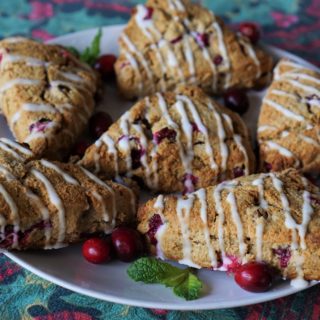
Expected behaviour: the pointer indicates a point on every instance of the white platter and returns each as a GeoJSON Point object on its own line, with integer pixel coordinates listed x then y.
{"type": "Point", "coordinates": [66, 267]}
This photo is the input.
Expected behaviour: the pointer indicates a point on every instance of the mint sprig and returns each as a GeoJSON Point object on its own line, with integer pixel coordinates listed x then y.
{"type": "Point", "coordinates": [150, 270]}
{"type": "Point", "coordinates": [91, 53]}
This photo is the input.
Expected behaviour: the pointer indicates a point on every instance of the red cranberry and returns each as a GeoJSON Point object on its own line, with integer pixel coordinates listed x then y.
{"type": "Point", "coordinates": [217, 60]}
{"type": "Point", "coordinates": [194, 127]}
{"type": "Point", "coordinates": [97, 250]}
{"type": "Point", "coordinates": [176, 40]}
{"type": "Point", "coordinates": [149, 13]}
{"type": "Point", "coordinates": [154, 224]}
{"type": "Point", "coordinates": [202, 39]}
{"type": "Point", "coordinates": [284, 255]}
{"type": "Point", "coordinates": [1, 57]}
{"type": "Point", "coordinates": [236, 100]}
{"type": "Point", "coordinates": [251, 31]}
{"type": "Point", "coordinates": [165, 133]}
{"type": "Point", "coordinates": [268, 166]}
{"type": "Point", "coordinates": [39, 126]}
{"type": "Point", "coordinates": [254, 277]}
{"type": "Point", "coordinates": [99, 123]}
{"type": "Point", "coordinates": [127, 243]}
{"type": "Point", "coordinates": [105, 65]}
{"type": "Point", "coordinates": [79, 149]}
{"type": "Point", "coordinates": [238, 172]}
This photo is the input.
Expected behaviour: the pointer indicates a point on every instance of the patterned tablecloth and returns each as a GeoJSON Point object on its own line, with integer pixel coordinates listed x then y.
{"type": "Point", "coordinates": [290, 24]}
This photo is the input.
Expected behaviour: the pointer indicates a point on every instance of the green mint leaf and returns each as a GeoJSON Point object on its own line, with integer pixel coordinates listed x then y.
{"type": "Point", "coordinates": [74, 51]}
{"type": "Point", "coordinates": [91, 54]}
{"type": "Point", "coordinates": [190, 288]}
{"type": "Point", "coordinates": [151, 270]}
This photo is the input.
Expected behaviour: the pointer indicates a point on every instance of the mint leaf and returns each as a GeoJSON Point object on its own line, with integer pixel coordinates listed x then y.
{"type": "Point", "coordinates": [189, 288]}
{"type": "Point", "coordinates": [74, 51]}
{"type": "Point", "coordinates": [91, 54]}
{"type": "Point", "coordinates": [150, 270]}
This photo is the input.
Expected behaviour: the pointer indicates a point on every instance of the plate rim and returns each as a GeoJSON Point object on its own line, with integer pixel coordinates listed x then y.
{"type": "Point", "coordinates": [139, 303]}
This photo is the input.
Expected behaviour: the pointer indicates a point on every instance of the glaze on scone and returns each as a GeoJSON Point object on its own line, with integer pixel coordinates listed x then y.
{"type": "Point", "coordinates": [272, 217]}
{"type": "Point", "coordinates": [172, 42]}
{"type": "Point", "coordinates": [50, 204]}
{"type": "Point", "coordinates": [289, 122]}
{"type": "Point", "coordinates": [176, 141]}
{"type": "Point", "coordinates": [46, 94]}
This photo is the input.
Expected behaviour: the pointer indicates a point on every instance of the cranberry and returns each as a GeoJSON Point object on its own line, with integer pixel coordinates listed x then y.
{"type": "Point", "coordinates": [176, 40]}
{"type": "Point", "coordinates": [105, 65]}
{"type": "Point", "coordinates": [268, 166]}
{"type": "Point", "coordinates": [40, 126]}
{"type": "Point", "coordinates": [284, 256]}
{"type": "Point", "coordinates": [154, 224]}
{"type": "Point", "coordinates": [97, 250]}
{"type": "Point", "coordinates": [217, 60]}
{"type": "Point", "coordinates": [236, 100]}
{"type": "Point", "coordinates": [165, 133]}
{"type": "Point", "coordinates": [189, 181]}
{"type": "Point", "coordinates": [127, 243]}
{"type": "Point", "coordinates": [1, 57]}
{"type": "Point", "coordinates": [149, 13]}
{"type": "Point", "coordinates": [194, 127]}
{"type": "Point", "coordinates": [254, 277]}
{"type": "Point", "coordinates": [79, 149]}
{"type": "Point", "coordinates": [99, 123]}
{"type": "Point", "coordinates": [251, 31]}
{"type": "Point", "coordinates": [238, 172]}
{"type": "Point", "coordinates": [202, 39]}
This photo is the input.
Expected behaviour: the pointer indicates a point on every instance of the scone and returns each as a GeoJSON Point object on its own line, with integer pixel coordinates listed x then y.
{"type": "Point", "coordinates": [272, 217]}
{"type": "Point", "coordinates": [172, 42]}
{"type": "Point", "coordinates": [176, 141]}
{"type": "Point", "coordinates": [50, 204]}
{"type": "Point", "coordinates": [46, 94]}
{"type": "Point", "coordinates": [289, 122]}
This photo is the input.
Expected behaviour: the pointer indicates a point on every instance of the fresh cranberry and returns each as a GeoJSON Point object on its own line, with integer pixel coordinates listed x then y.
{"type": "Point", "coordinates": [97, 250]}
{"type": "Point", "coordinates": [189, 181]}
{"type": "Point", "coordinates": [176, 40]}
{"type": "Point", "coordinates": [202, 39]}
{"type": "Point", "coordinates": [105, 65]}
{"type": "Point", "coordinates": [254, 277]}
{"type": "Point", "coordinates": [40, 126]}
{"type": "Point", "coordinates": [236, 100]}
{"type": "Point", "coordinates": [217, 60]}
{"type": "Point", "coordinates": [154, 224]}
{"type": "Point", "coordinates": [99, 123]}
{"type": "Point", "coordinates": [127, 243]}
{"type": "Point", "coordinates": [165, 133]}
{"type": "Point", "coordinates": [268, 166]}
{"type": "Point", "coordinates": [284, 255]}
{"type": "Point", "coordinates": [79, 149]}
{"type": "Point", "coordinates": [238, 172]}
{"type": "Point", "coordinates": [149, 13]}
{"type": "Point", "coordinates": [251, 31]}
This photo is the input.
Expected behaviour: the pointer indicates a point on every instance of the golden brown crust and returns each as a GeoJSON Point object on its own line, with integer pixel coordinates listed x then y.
{"type": "Point", "coordinates": [46, 94]}
{"type": "Point", "coordinates": [277, 239]}
{"type": "Point", "coordinates": [166, 44]}
{"type": "Point", "coordinates": [217, 142]}
{"type": "Point", "coordinates": [289, 122]}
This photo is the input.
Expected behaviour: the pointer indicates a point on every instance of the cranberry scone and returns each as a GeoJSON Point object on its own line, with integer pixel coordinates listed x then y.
{"type": "Point", "coordinates": [176, 141]}
{"type": "Point", "coordinates": [47, 204]}
{"type": "Point", "coordinates": [272, 217]}
{"type": "Point", "coordinates": [172, 42]}
{"type": "Point", "coordinates": [46, 94]}
{"type": "Point", "coordinates": [289, 122]}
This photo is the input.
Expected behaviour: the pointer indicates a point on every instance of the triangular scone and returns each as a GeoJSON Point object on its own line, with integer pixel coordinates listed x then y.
{"type": "Point", "coordinates": [289, 122]}
{"type": "Point", "coordinates": [50, 204]}
{"type": "Point", "coordinates": [176, 141]}
{"type": "Point", "coordinates": [46, 94]}
{"type": "Point", "coordinates": [172, 42]}
{"type": "Point", "coordinates": [272, 217]}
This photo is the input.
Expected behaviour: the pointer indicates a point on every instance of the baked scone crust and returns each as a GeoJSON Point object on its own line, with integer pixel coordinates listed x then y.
{"type": "Point", "coordinates": [171, 42]}
{"type": "Point", "coordinates": [46, 94]}
{"type": "Point", "coordinates": [176, 141]}
{"type": "Point", "coordinates": [273, 217]}
{"type": "Point", "coordinates": [289, 122]}
{"type": "Point", "coordinates": [50, 204]}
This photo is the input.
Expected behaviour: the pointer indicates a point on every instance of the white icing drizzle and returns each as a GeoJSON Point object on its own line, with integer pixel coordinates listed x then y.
{"type": "Point", "coordinates": [302, 76]}
{"type": "Point", "coordinates": [252, 54]}
{"type": "Point", "coordinates": [284, 111]}
{"type": "Point", "coordinates": [6, 173]}
{"type": "Point", "coordinates": [72, 76]}
{"type": "Point", "coordinates": [282, 150]}
{"type": "Point", "coordinates": [18, 82]}
{"type": "Point", "coordinates": [304, 87]}
{"type": "Point", "coordinates": [31, 62]}
{"type": "Point", "coordinates": [124, 143]}
{"type": "Point", "coordinates": [135, 66]}
{"type": "Point", "coordinates": [159, 206]}
{"type": "Point", "coordinates": [176, 5]}
{"type": "Point", "coordinates": [107, 140]}
{"type": "Point", "coordinates": [11, 151]}
{"type": "Point", "coordinates": [40, 135]}
{"type": "Point", "coordinates": [201, 194]}
{"type": "Point", "coordinates": [17, 146]}
{"type": "Point", "coordinates": [190, 59]}
{"type": "Point", "coordinates": [67, 178]}
{"type": "Point", "coordinates": [56, 201]}
{"type": "Point", "coordinates": [14, 213]}
{"type": "Point", "coordinates": [266, 127]}
{"type": "Point", "coordinates": [183, 211]}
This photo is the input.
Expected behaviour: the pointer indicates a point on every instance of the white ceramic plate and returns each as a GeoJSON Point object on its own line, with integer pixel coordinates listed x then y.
{"type": "Point", "coordinates": [66, 267]}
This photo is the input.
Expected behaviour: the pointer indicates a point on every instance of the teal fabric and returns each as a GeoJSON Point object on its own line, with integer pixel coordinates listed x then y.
{"type": "Point", "coordinates": [290, 24]}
